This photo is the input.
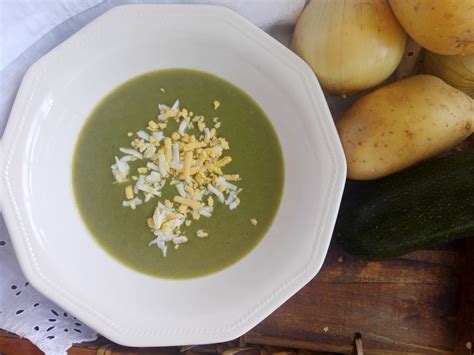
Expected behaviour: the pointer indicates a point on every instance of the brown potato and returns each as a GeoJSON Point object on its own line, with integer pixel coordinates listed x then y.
{"type": "Point", "coordinates": [402, 124]}
{"type": "Point", "coordinates": [442, 26]}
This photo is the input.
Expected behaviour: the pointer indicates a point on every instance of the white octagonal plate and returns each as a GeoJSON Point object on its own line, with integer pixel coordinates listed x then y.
{"type": "Point", "coordinates": [56, 251]}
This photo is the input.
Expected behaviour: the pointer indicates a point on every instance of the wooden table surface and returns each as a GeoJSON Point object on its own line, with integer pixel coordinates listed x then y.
{"type": "Point", "coordinates": [407, 305]}
{"type": "Point", "coordinates": [421, 303]}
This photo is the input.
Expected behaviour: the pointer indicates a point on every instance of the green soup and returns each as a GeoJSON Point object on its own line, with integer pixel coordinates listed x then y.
{"type": "Point", "coordinates": [123, 232]}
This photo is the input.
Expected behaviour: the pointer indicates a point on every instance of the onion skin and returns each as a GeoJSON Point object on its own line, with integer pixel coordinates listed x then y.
{"type": "Point", "coordinates": [441, 26]}
{"type": "Point", "coordinates": [456, 70]}
{"type": "Point", "coordinates": [351, 45]}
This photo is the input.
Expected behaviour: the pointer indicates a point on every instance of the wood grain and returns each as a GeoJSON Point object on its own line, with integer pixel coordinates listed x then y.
{"type": "Point", "coordinates": [402, 305]}
{"type": "Point", "coordinates": [465, 319]}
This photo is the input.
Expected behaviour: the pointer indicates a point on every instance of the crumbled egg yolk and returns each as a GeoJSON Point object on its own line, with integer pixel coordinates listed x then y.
{"type": "Point", "coordinates": [192, 164]}
{"type": "Point", "coordinates": [129, 192]}
{"type": "Point", "coordinates": [253, 221]}
{"type": "Point", "coordinates": [201, 234]}
{"type": "Point", "coordinates": [152, 126]}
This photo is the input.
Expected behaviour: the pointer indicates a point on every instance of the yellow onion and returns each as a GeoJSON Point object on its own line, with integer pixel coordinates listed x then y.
{"type": "Point", "coordinates": [352, 45]}
{"type": "Point", "coordinates": [456, 70]}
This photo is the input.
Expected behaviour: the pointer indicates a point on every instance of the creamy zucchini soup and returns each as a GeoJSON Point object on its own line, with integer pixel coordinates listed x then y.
{"type": "Point", "coordinates": [177, 173]}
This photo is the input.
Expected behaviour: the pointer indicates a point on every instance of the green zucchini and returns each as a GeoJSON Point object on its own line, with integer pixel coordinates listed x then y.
{"type": "Point", "coordinates": [417, 208]}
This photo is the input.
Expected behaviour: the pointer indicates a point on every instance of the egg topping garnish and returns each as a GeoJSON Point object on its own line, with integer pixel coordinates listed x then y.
{"type": "Point", "coordinates": [193, 164]}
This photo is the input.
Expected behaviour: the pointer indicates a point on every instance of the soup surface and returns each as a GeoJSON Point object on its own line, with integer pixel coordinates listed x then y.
{"type": "Point", "coordinates": [123, 232]}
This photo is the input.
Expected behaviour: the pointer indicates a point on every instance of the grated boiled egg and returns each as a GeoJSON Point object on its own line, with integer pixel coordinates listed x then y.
{"type": "Point", "coordinates": [193, 164]}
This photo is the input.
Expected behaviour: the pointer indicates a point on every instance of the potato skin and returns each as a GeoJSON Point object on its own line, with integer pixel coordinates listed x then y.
{"type": "Point", "coordinates": [442, 26]}
{"type": "Point", "coordinates": [402, 124]}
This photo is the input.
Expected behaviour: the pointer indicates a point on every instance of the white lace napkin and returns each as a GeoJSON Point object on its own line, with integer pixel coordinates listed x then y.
{"type": "Point", "coordinates": [26, 312]}
{"type": "Point", "coordinates": [28, 30]}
